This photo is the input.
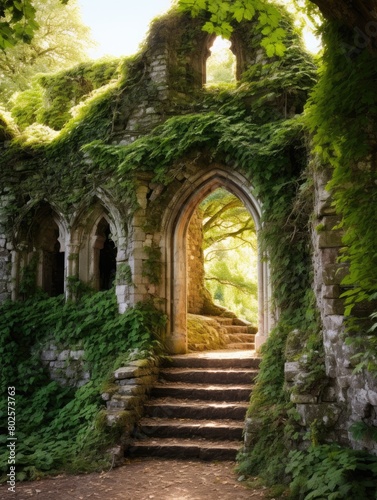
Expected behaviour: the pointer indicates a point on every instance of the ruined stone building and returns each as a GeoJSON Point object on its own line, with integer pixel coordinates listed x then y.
{"type": "Point", "coordinates": [108, 197]}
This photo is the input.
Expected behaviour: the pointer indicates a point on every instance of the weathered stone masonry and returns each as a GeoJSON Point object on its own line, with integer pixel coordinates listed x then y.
{"type": "Point", "coordinates": [71, 244]}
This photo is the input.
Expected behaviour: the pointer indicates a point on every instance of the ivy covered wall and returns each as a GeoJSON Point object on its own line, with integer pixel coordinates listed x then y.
{"type": "Point", "coordinates": [109, 171]}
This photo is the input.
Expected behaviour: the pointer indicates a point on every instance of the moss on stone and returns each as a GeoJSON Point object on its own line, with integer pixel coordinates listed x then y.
{"type": "Point", "coordinates": [204, 333]}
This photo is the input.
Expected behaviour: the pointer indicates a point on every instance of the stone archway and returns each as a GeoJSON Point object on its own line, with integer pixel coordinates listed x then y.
{"type": "Point", "coordinates": [175, 225]}
{"type": "Point", "coordinates": [41, 239]}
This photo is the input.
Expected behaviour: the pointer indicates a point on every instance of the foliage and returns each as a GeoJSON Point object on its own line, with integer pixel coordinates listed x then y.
{"type": "Point", "coordinates": [52, 99]}
{"type": "Point", "coordinates": [60, 41]}
{"type": "Point", "coordinates": [361, 431]}
{"type": "Point", "coordinates": [253, 127]}
{"type": "Point", "coordinates": [268, 413]}
{"type": "Point", "coordinates": [56, 426]}
{"type": "Point", "coordinates": [223, 13]}
{"type": "Point", "coordinates": [17, 22]}
{"type": "Point", "coordinates": [332, 472]}
{"type": "Point", "coordinates": [152, 264]}
{"type": "Point", "coordinates": [342, 115]}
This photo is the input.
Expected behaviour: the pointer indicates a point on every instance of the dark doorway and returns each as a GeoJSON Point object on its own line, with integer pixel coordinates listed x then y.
{"type": "Point", "coordinates": [107, 261]}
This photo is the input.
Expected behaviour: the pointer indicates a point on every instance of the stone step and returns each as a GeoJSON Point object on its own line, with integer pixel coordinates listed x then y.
{"type": "Point", "coordinates": [210, 375]}
{"type": "Point", "coordinates": [241, 337]}
{"type": "Point", "coordinates": [222, 321]}
{"type": "Point", "coordinates": [186, 448]}
{"type": "Point", "coordinates": [236, 329]}
{"type": "Point", "coordinates": [241, 345]}
{"type": "Point", "coordinates": [205, 392]}
{"type": "Point", "coordinates": [216, 359]}
{"type": "Point", "coordinates": [187, 428]}
{"type": "Point", "coordinates": [197, 410]}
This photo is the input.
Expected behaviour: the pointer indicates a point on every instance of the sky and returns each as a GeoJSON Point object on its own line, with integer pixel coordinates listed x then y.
{"type": "Point", "coordinates": [119, 26]}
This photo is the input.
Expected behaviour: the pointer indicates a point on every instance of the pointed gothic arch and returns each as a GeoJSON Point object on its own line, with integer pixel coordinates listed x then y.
{"type": "Point", "coordinates": [95, 237]}
{"type": "Point", "coordinates": [40, 238]}
{"type": "Point", "coordinates": [175, 225]}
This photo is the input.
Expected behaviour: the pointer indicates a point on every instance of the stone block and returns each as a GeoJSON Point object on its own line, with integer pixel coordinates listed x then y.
{"type": "Point", "coordinates": [63, 355]}
{"type": "Point", "coordinates": [333, 274]}
{"type": "Point", "coordinates": [77, 354]}
{"type": "Point", "coordinates": [132, 390]}
{"type": "Point", "coordinates": [291, 369]}
{"type": "Point", "coordinates": [122, 307]}
{"type": "Point", "coordinates": [303, 398]}
{"type": "Point", "coordinates": [333, 307]}
{"type": "Point", "coordinates": [148, 380]}
{"type": "Point", "coordinates": [49, 355]}
{"type": "Point", "coordinates": [71, 372]}
{"type": "Point", "coordinates": [331, 291]}
{"type": "Point", "coordinates": [330, 239]}
{"type": "Point", "coordinates": [123, 402]}
{"type": "Point", "coordinates": [113, 418]}
{"type": "Point", "coordinates": [122, 290]}
{"type": "Point", "coordinates": [372, 397]}
{"type": "Point", "coordinates": [58, 364]}
{"type": "Point", "coordinates": [332, 335]}
{"type": "Point", "coordinates": [329, 395]}
{"type": "Point", "coordinates": [128, 372]}
{"type": "Point", "coordinates": [325, 413]}
{"type": "Point", "coordinates": [80, 383]}
{"type": "Point", "coordinates": [4, 297]}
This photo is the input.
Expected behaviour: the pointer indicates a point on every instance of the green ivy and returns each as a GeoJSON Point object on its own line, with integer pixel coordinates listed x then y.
{"type": "Point", "coordinates": [332, 472]}
{"type": "Point", "coordinates": [254, 127]}
{"type": "Point", "coordinates": [57, 426]}
{"type": "Point", "coordinates": [222, 15]}
{"type": "Point", "coordinates": [342, 116]}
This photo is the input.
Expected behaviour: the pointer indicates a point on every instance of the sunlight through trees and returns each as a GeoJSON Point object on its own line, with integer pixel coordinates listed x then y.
{"type": "Point", "coordinates": [230, 254]}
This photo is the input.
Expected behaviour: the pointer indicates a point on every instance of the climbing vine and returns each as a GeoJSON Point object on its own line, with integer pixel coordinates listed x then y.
{"type": "Point", "coordinates": [57, 426]}
{"type": "Point", "coordinates": [342, 115]}
{"type": "Point", "coordinates": [255, 127]}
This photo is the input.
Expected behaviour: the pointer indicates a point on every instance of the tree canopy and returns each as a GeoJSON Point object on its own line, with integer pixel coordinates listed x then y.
{"type": "Point", "coordinates": [230, 253]}
{"type": "Point", "coordinates": [60, 41]}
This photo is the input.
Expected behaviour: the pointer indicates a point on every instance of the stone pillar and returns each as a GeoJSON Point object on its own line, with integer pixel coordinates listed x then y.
{"type": "Point", "coordinates": [195, 264]}
{"type": "Point", "coordinates": [6, 248]}
{"type": "Point", "coordinates": [72, 269]}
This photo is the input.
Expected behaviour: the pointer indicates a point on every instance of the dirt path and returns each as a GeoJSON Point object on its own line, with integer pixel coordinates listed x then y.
{"type": "Point", "coordinates": [143, 479]}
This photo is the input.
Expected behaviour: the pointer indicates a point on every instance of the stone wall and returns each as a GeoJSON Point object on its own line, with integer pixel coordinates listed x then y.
{"type": "Point", "coordinates": [66, 366]}
{"type": "Point", "coordinates": [195, 260]}
{"type": "Point", "coordinates": [125, 398]}
{"type": "Point", "coordinates": [347, 397]}
{"type": "Point", "coordinates": [5, 252]}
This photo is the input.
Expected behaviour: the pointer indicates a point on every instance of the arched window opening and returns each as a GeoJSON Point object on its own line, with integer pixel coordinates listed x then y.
{"type": "Point", "coordinates": [53, 260]}
{"type": "Point", "coordinates": [40, 256]}
{"type": "Point", "coordinates": [107, 257]}
{"type": "Point", "coordinates": [221, 64]}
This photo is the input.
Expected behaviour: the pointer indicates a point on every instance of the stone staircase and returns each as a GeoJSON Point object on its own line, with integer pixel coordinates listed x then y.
{"type": "Point", "coordinates": [197, 408]}
{"type": "Point", "coordinates": [241, 335]}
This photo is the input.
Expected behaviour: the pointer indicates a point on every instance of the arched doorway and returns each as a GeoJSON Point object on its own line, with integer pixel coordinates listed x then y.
{"type": "Point", "coordinates": [222, 259]}
{"type": "Point", "coordinates": [39, 260]}
{"type": "Point", "coordinates": [107, 257]}
{"type": "Point", "coordinates": [176, 223]}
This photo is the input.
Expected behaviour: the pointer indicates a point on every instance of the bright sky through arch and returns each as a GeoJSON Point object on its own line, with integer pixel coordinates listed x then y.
{"type": "Point", "coordinates": [119, 26]}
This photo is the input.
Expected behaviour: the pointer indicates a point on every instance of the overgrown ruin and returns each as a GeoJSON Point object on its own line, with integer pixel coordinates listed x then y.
{"type": "Point", "coordinates": [107, 198]}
